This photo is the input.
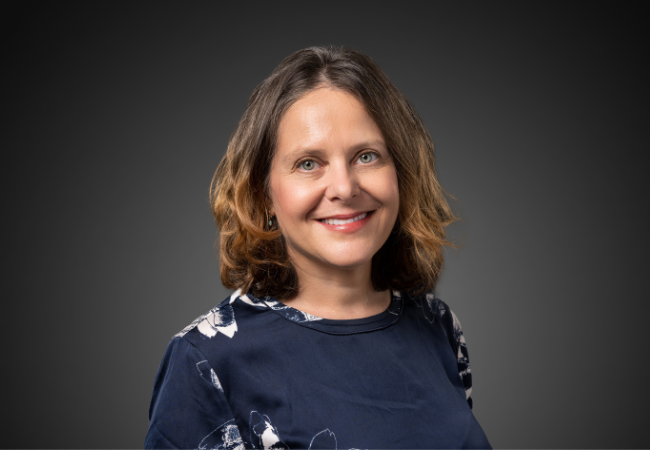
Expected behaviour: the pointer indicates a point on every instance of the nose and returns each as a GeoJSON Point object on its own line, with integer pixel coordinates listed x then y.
{"type": "Point", "coordinates": [342, 183]}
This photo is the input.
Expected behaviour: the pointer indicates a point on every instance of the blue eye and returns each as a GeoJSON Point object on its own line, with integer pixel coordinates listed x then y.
{"type": "Point", "coordinates": [308, 164]}
{"type": "Point", "coordinates": [367, 158]}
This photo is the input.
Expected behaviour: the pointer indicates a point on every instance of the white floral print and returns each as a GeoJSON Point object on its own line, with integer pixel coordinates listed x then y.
{"type": "Point", "coordinates": [225, 437]}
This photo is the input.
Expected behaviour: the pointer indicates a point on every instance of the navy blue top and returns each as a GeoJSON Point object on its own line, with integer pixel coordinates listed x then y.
{"type": "Point", "coordinates": [255, 373]}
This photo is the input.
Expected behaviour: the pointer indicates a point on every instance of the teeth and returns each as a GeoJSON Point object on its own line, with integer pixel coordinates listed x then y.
{"type": "Point", "coordinates": [342, 222]}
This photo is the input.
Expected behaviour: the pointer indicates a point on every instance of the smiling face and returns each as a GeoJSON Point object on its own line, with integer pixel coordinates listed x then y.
{"type": "Point", "coordinates": [332, 185]}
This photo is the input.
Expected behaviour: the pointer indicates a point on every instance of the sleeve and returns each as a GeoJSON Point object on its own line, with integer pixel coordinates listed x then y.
{"type": "Point", "coordinates": [462, 357]}
{"type": "Point", "coordinates": [189, 408]}
{"type": "Point", "coordinates": [457, 341]}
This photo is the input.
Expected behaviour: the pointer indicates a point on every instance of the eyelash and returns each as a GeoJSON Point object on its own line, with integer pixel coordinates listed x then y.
{"type": "Point", "coordinates": [372, 154]}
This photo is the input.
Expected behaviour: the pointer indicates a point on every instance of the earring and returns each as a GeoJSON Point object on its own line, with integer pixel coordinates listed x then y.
{"type": "Point", "coordinates": [270, 219]}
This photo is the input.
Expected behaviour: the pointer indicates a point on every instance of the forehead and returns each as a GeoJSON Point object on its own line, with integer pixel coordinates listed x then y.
{"type": "Point", "coordinates": [326, 118]}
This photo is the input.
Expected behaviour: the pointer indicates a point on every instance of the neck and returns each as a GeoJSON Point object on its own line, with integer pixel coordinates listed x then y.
{"type": "Point", "coordinates": [337, 293]}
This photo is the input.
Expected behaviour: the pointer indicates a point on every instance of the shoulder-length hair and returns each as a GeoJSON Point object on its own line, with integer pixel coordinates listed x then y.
{"type": "Point", "coordinates": [253, 254]}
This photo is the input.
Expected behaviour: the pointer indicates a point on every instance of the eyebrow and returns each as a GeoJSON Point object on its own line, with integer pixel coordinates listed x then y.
{"type": "Point", "coordinates": [301, 152]}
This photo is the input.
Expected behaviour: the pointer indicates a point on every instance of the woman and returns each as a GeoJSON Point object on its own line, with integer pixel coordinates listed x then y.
{"type": "Point", "coordinates": [332, 224]}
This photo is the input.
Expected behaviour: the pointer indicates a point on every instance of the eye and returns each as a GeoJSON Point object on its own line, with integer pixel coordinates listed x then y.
{"type": "Point", "coordinates": [366, 158]}
{"type": "Point", "coordinates": [308, 164]}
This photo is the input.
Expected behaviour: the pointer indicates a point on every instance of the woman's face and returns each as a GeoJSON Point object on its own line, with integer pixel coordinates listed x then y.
{"type": "Point", "coordinates": [333, 184]}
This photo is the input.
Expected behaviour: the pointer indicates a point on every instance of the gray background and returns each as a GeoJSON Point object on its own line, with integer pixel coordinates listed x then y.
{"type": "Point", "coordinates": [117, 114]}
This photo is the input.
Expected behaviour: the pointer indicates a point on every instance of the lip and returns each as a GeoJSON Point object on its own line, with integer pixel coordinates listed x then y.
{"type": "Point", "coordinates": [347, 227]}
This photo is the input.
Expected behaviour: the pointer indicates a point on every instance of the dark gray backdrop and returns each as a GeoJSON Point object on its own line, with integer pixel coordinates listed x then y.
{"type": "Point", "coordinates": [117, 114]}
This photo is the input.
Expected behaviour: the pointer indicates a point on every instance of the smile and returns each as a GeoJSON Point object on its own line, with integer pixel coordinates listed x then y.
{"type": "Point", "coordinates": [343, 222]}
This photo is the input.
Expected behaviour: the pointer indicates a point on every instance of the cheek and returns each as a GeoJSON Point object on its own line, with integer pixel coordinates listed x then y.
{"type": "Point", "coordinates": [387, 190]}
{"type": "Point", "coordinates": [293, 201]}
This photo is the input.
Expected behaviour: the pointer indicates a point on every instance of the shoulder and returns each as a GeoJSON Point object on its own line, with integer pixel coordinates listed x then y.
{"type": "Point", "coordinates": [432, 308]}
{"type": "Point", "coordinates": [193, 353]}
{"type": "Point", "coordinates": [221, 318]}
{"type": "Point", "coordinates": [232, 324]}
{"type": "Point", "coordinates": [438, 313]}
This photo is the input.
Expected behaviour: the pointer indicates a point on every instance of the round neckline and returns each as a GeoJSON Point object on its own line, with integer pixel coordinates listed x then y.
{"type": "Point", "coordinates": [335, 326]}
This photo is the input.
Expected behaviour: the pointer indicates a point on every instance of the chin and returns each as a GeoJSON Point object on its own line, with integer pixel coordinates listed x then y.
{"type": "Point", "coordinates": [333, 256]}
{"type": "Point", "coordinates": [348, 263]}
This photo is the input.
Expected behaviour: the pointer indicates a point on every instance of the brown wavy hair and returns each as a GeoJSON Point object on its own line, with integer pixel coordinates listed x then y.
{"type": "Point", "coordinates": [253, 254]}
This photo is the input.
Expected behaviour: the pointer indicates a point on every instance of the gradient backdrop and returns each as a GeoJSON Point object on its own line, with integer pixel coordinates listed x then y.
{"type": "Point", "coordinates": [117, 114]}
